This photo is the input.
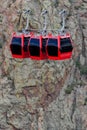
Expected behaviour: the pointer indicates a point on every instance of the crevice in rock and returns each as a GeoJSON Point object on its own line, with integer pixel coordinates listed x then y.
{"type": "Point", "coordinates": [13, 1]}
{"type": "Point", "coordinates": [73, 105]}
{"type": "Point", "coordinates": [82, 38]}
{"type": "Point", "coordinates": [78, 122]}
{"type": "Point", "coordinates": [10, 124]}
{"type": "Point", "coordinates": [84, 1]}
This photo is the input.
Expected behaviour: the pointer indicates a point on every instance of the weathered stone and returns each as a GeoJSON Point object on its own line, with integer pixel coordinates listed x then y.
{"type": "Point", "coordinates": [18, 117]}
{"type": "Point", "coordinates": [32, 93]}
{"type": "Point", "coordinates": [82, 60]}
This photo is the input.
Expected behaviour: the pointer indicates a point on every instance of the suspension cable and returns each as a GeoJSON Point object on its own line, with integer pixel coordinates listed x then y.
{"type": "Point", "coordinates": [62, 14]}
{"type": "Point", "coordinates": [27, 23]}
{"type": "Point", "coordinates": [44, 14]}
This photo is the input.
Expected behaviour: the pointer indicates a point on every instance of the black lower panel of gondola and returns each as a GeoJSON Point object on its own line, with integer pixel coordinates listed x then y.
{"type": "Point", "coordinates": [16, 49]}
{"type": "Point", "coordinates": [52, 51]}
{"type": "Point", "coordinates": [34, 51]}
{"type": "Point", "coordinates": [65, 45]}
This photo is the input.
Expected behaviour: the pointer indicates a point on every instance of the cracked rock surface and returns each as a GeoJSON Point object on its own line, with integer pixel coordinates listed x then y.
{"type": "Point", "coordinates": [43, 95]}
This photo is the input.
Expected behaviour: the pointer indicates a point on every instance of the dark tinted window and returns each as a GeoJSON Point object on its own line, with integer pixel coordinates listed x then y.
{"type": "Point", "coordinates": [16, 40]}
{"type": "Point", "coordinates": [16, 46]}
{"type": "Point", "coordinates": [16, 49]}
{"type": "Point", "coordinates": [26, 40]}
{"type": "Point", "coordinates": [52, 47]}
{"type": "Point", "coordinates": [34, 42]}
{"type": "Point", "coordinates": [34, 47]}
{"type": "Point", "coordinates": [44, 41]}
{"type": "Point", "coordinates": [65, 45]}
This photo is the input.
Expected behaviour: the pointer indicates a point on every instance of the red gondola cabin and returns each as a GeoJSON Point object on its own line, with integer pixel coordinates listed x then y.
{"type": "Point", "coordinates": [37, 47]}
{"type": "Point", "coordinates": [59, 47]}
{"type": "Point", "coordinates": [19, 45]}
{"type": "Point", "coordinates": [65, 47]}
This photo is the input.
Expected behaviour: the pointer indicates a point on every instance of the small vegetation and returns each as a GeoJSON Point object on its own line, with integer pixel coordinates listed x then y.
{"type": "Point", "coordinates": [0, 63]}
{"type": "Point", "coordinates": [0, 45]}
{"type": "Point", "coordinates": [1, 18]}
{"type": "Point", "coordinates": [81, 83]}
{"type": "Point", "coordinates": [85, 102]}
{"type": "Point", "coordinates": [69, 89]}
{"type": "Point", "coordinates": [82, 68]}
{"type": "Point", "coordinates": [83, 26]}
{"type": "Point", "coordinates": [77, 7]}
{"type": "Point", "coordinates": [77, 63]}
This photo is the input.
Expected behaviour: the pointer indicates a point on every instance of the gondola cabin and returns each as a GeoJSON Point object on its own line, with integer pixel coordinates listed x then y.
{"type": "Point", "coordinates": [37, 47]}
{"type": "Point", "coordinates": [65, 47]}
{"type": "Point", "coordinates": [52, 48]}
{"type": "Point", "coordinates": [59, 48]}
{"type": "Point", "coordinates": [19, 45]}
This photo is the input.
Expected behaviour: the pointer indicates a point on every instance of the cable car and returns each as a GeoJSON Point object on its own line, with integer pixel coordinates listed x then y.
{"type": "Point", "coordinates": [59, 48]}
{"type": "Point", "coordinates": [65, 47]}
{"type": "Point", "coordinates": [19, 45]}
{"type": "Point", "coordinates": [37, 47]}
{"type": "Point", "coordinates": [25, 45]}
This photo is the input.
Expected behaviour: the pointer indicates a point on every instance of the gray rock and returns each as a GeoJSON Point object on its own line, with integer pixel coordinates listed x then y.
{"type": "Point", "coordinates": [32, 93]}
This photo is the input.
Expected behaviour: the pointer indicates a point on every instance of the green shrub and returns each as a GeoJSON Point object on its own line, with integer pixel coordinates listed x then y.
{"type": "Point", "coordinates": [0, 45]}
{"type": "Point", "coordinates": [81, 83]}
{"type": "Point", "coordinates": [0, 63]}
{"type": "Point", "coordinates": [69, 89]}
{"type": "Point", "coordinates": [83, 70]}
{"type": "Point", "coordinates": [85, 102]}
{"type": "Point", "coordinates": [78, 64]}
{"type": "Point", "coordinates": [1, 18]}
{"type": "Point", "coordinates": [77, 7]}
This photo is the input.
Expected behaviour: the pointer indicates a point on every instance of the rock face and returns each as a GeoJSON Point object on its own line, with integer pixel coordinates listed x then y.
{"type": "Point", "coordinates": [43, 95]}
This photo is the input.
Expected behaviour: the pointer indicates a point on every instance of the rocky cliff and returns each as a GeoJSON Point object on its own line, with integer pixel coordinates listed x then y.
{"type": "Point", "coordinates": [43, 95]}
